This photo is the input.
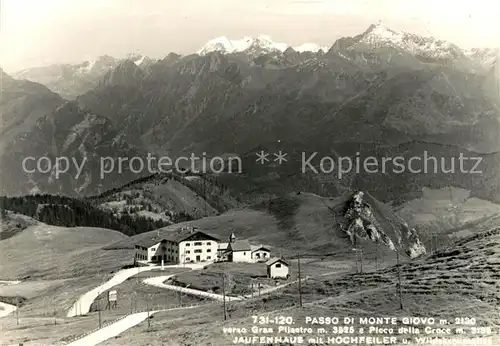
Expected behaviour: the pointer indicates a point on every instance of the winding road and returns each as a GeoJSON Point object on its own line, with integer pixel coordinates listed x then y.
{"type": "Point", "coordinates": [83, 304]}
{"type": "Point", "coordinates": [132, 320]}
{"type": "Point", "coordinates": [7, 309]}
{"type": "Point", "coordinates": [158, 282]}
{"type": "Point", "coordinates": [118, 327]}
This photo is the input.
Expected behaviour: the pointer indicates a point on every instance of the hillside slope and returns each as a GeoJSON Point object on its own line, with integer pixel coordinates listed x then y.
{"type": "Point", "coordinates": [303, 223]}
{"type": "Point", "coordinates": [50, 252]}
{"type": "Point", "coordinates": [169, 197]}
{"type": "Point", "coordinates": [459, 285]}
{"type": "Point", "coordinates": [12, 223]}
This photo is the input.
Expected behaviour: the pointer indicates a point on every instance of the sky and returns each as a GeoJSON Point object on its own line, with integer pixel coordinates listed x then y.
{"type": "Point", "coordinates": [43, 32]}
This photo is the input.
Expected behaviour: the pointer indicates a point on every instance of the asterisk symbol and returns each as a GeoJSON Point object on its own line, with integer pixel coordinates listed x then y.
{"type": "Point", "coordinates": [262, 157]}
{"type": "Point", "coordinates": [280, 157]}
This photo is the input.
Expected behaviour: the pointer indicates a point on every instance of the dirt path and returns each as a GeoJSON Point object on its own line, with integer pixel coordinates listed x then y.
{"type": "Point", "coordinates": [118, 327]}
{"type": "Point", "coordinates": [7, 309]}
{"type": "Point", "coordinates": [158, 282]}
{"type": "Point", "coordinates": [82, 305]}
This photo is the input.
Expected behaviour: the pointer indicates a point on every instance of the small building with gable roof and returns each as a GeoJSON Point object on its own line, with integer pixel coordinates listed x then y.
{"type": "Point", "coordinates": [278, 268]}
{"type": "Point", "coordinates": [260, 253]}
{"type": "Point", "coordinates": [239, 251]}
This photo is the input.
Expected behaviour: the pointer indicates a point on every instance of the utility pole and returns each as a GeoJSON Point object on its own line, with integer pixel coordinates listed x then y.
{"type": "Point", "coordinates": [149, 319]}
{"type": "Point", "coordinates": [99, 310]}
{"type": "Point", "coordinates": [399, 282]}
{"type": "Point", "coordinates": [224, 294]}
{"type": "Point", "coordinates": [17, 312]}
{"type": "Point", "coordinates": [253, 302]}
{"type": "Point", "coordinates": [356, 251]}
{"type": "Point", "coordinates": [361, 260]}
{"type": "Point", "coordinates": [300, 281]}
{"type": "Point", "coordinates": [205, 196]}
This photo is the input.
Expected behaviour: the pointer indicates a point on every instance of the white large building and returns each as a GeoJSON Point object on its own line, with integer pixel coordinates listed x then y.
{"type": "Point", "coordinates": [181, 246]}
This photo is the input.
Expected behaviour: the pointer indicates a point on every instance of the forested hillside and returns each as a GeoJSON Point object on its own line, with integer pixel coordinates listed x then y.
{"type": "Point", "coordinates": [70, 212]}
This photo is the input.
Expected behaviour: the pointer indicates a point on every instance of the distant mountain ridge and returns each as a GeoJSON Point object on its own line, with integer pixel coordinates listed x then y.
{"type": "Point", "coordinates": [69, 81]}
{"type": "Point", "coordinates": [258, 45]}
{"type": "Point", "coordinates": [368, 94]}
{"type": "Point", "coordinates": [72, 80]}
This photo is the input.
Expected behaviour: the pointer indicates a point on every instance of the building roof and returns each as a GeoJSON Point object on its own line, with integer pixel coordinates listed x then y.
{"type": "Point", "coordinates": [273, 260]}
{"type": "Point", "coordinates": [240, 245]}
{"type": "Point", "coordinates": [222, 246]}
{"type": "Point", "coordinates": [175, 236]}
{"type": "Point", "coordinates": [185, 234]}
{"type": "Point", "coordinates": [149, 241]}
{"type": "Point", "coordinates": [259, 247]}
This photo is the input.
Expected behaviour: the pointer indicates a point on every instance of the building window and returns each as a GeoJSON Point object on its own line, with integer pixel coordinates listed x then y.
{"type": "Point", "coordinates": [153, 258]}
{"type": "Point", "coordinates": [208, 257]}
{"type": "Point", "coordinates": [209, 250]}
{"type": "Point", "coordinates": [198, 243]}
{"type": "Point", "coordinates": [153, 249]}
{"type": "Point", "coordinates": [188, 244]}
{"type": "Point", "coordinates": [188, 259]}
{"type": "Point", "coordinates": [208, 243]}
{"type": "Point", "coordinates": [197, 251]}
{"type": "Point", "coordinates": [189, 251]}
{"type": "Point", "coordinates": [278, 265]}
{"type": "Point", "coordinates": [244, 253]}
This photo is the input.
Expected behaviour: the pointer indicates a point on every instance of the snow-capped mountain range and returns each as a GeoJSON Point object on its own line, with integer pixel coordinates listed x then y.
{"type": "Point", "coordinates": [73, 80]}
{"type": "Point", "coordinates": [378, 35]}
{"type": "Point", "coordinates": [259, 44]}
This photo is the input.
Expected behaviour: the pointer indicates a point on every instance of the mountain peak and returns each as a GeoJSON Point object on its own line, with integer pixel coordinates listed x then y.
{"type": "Point", "coordinates": [126, 73]}
{"type": "Point", "coordinates": [379, 27]}
{"type": "Point", "coordinates": [226, 46]}
{"type": "Point", "coordinates": [379, 32]}
{"type": "Point", "coordinates": [260, 44]}
{"type": "Point", "coordinates": [380, 36]}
